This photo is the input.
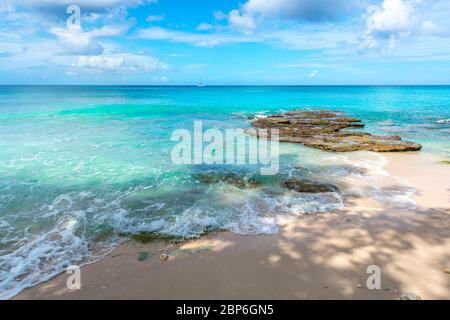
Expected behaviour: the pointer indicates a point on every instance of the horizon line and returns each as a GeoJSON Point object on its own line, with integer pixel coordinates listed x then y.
{"type": "Point", "coordinates": [224, 85]}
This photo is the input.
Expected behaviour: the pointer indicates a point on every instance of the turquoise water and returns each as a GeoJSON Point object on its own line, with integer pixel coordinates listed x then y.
{"type": "Point", "coordinates": [82, 167]}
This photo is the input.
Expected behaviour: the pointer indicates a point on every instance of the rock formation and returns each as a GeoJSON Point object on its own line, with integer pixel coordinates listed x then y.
{"type": "Point", "coordinates": [323, 129]}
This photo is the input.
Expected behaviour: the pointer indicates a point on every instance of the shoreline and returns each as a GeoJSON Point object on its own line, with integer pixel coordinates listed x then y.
{"type": "Point", "coordinates": [317, 256]}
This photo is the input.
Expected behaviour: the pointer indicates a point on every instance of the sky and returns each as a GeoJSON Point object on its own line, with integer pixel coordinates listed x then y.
{"type": "Point", "coordinates": [225, 42]}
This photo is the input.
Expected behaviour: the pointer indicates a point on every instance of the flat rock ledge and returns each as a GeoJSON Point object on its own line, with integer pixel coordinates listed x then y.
{"type": "Point", "coordinates": [324, 130]}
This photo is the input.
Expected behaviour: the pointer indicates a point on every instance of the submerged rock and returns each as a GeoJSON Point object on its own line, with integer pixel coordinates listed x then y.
{"type": "Point", "coordinates": [148, 237]}
{"type": "Point", "coordinates": [321, 129]}
{"type": "Point", "coordinates": [306, 186]}
{"type": "Point", "coordinates": [143, 256]}
{"type": "Point", "coordinates": [241, 182]}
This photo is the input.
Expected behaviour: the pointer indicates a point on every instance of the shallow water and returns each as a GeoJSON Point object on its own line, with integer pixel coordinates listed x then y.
{"type": "Point", "coordinates": [81, 166]}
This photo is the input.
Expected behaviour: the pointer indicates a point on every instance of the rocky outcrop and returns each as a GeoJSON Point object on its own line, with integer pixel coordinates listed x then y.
{"type": "Point", "coordinates": [306, 186]}
{"type": "Point", "coordinates": [322, 129]}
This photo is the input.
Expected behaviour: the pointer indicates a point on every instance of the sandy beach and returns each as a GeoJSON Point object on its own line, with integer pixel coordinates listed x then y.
{"type": "Point", "coordinates": [318, 256]}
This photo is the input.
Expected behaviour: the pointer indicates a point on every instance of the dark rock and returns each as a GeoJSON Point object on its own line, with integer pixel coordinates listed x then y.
{"type": "Point", "coordinates": [143, 256]}
{"type": "Point", "coordinates": [164, 257]}
{"type": "Point", "coordinates": [306, 186]}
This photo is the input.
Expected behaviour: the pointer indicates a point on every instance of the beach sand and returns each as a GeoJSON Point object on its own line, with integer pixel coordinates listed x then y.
{"type": "Point", "coordinates": [318, 256]}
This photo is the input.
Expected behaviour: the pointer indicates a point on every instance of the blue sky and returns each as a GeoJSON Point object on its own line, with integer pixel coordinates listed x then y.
{"type": "Point", "coordinates": [301, 42]}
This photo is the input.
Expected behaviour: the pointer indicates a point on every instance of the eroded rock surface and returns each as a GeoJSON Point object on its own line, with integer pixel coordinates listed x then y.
{"type": "Point", "coordinates": [324, 129]}
{"type": "Point", "coordinates": [306, 186]}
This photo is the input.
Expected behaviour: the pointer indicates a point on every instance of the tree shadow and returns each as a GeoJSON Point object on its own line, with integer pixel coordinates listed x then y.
{"type": "Point", "coordinates": [316, 256]}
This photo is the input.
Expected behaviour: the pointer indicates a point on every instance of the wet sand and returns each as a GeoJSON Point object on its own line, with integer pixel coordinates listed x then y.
{"type": "Point", "coordinates": [319, 256]}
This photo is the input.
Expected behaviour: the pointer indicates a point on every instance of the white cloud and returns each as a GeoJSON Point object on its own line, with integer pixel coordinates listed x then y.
{"type": "Point", "coordinates": [219, 15]}
{"type": "Point", "coordinates": [27, 26]}
{"type": "Point", "coordinates": [191, 67]}
{"type": "Point", "coordinates": [8, 49]}
{"type": "Point", "coordinates": [18, 22]}
{"type": "Point", "coordinates": [204, 26]}
{"type": "Point", "coordinates": [74, 41]}
{"type": "Point", "coordinates": [241, 22]}
{"type": "Point", "coordinates": [392, 16]}
{"type": "Point", "coordinates": [109, 31]}
{"type": "Point", "coordinates": [429, 28]}
{"type": "Point", "coordinates": [196, 39]}
{"type": "Point", "coordinates": [246, 17]}
{"type": "Point", "coordinates": [395, 20]}
{"type": "Point", "coordinates": [312, 37]}
{"type": "Point", "coordinates": [35, 55]}
{"type": "Point", "coordinates": [100, 63]}
{"type": "Point", "coordinates": [6, 7]}
{"type": "Point", "coordinates": [295, 38]}
{"type": "Point", "coordinates": [92, 11]}
{"type": "Point", "coordinates": [118, 64]}
{"type": "Point", "coordinates": [84, 4]}
{"type": "Point", "coordinates": [155, 18]}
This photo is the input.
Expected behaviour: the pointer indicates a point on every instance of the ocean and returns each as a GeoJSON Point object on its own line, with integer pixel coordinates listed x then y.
{"type": "Point", "coordinates": [82, 168]}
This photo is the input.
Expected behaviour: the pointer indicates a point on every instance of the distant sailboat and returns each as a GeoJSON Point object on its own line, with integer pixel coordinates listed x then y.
{"type": "Point", "coordinates": [200, 84]}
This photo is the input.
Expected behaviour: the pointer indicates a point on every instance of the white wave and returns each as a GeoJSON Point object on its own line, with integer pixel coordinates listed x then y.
{"type": "Point", "coordinates": [260, 115]}
{"type": "Point", "coordinates": [364, 174]}
{"type": "Point", "coordinates": [443, 121]}
{"type": "Point", "coordinates": [40, 259]}
{"type": "Point", "coordinates": [402, 200]}
{"type": "Point", "coordinates": [251, 115]}
{"type": "Point", "coordinates": [42, 256]}
{"type": "Point", "coordinates": [249, 213]}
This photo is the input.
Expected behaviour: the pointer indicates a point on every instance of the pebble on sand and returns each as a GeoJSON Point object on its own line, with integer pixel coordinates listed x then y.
{"type": "Point", "coordinates": [164, 257]}
{"type": "Point", "coordinates": [410, 296]}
